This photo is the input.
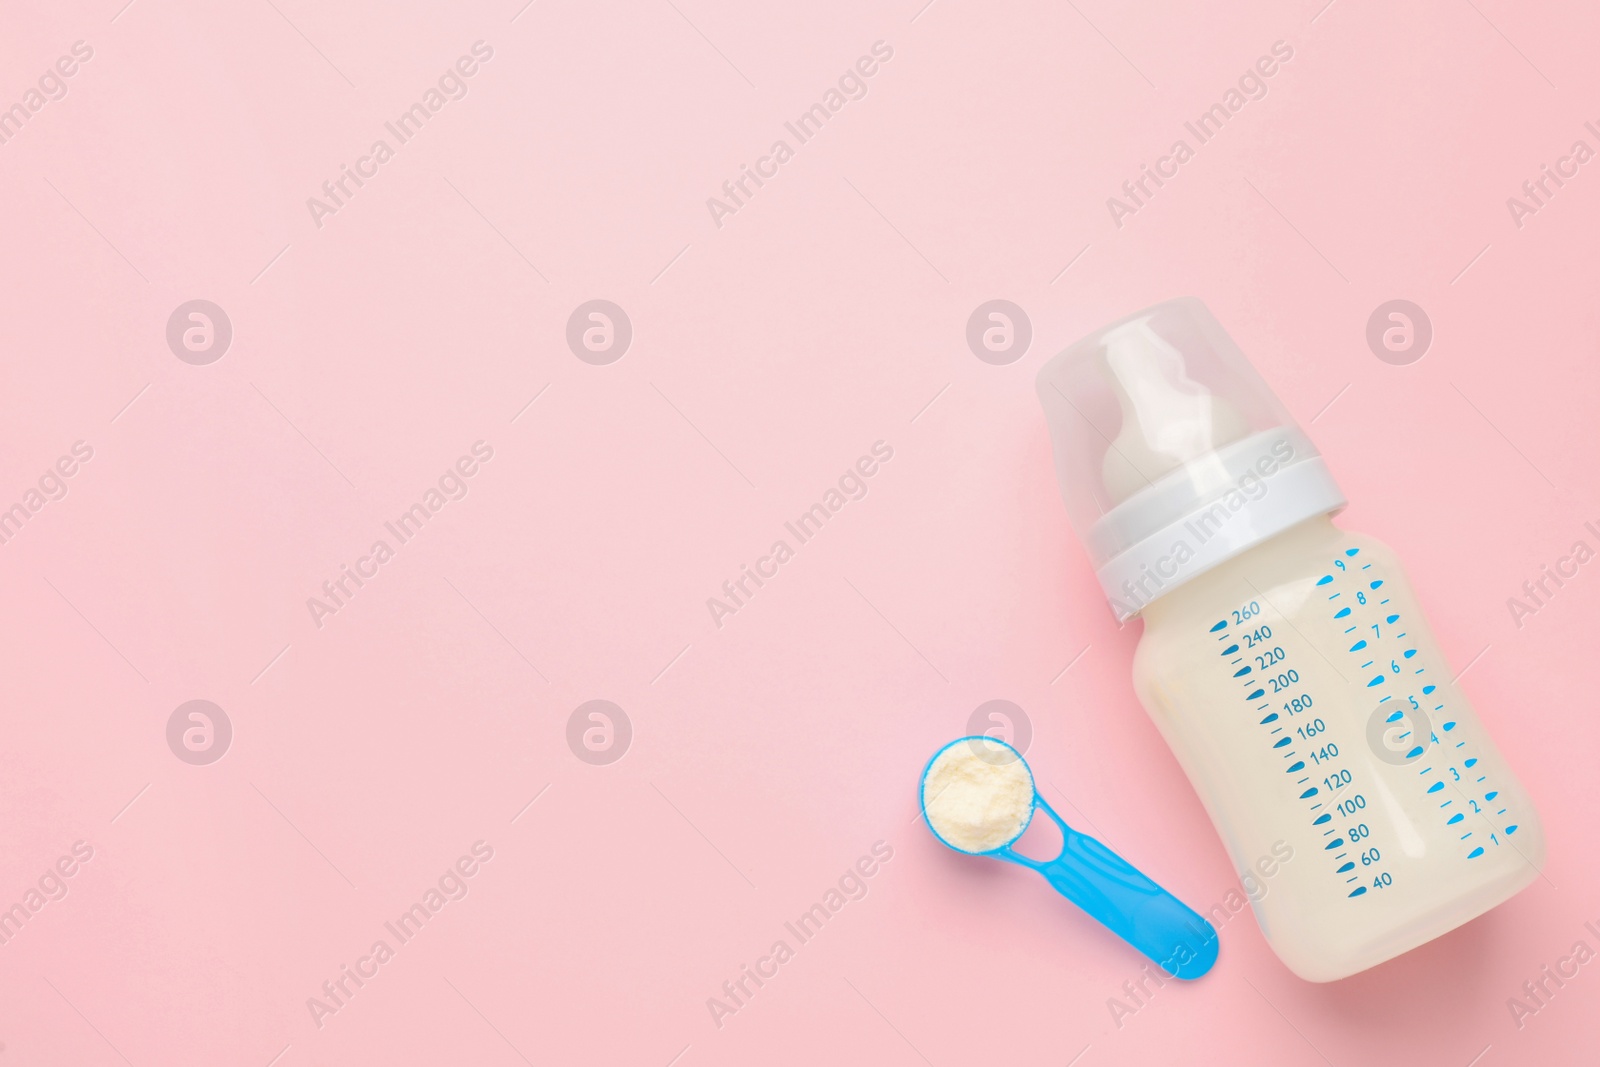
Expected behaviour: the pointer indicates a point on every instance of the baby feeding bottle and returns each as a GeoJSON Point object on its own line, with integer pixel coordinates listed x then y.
{"type": "Point", "coordinates": [1286, 661]}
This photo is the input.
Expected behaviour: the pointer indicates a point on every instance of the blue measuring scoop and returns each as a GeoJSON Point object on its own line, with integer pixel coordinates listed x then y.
{"type": "Point", "coordinates": [1106, 886]}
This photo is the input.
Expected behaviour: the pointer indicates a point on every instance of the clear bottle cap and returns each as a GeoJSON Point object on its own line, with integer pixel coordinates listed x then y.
{"type": "Point", "coordinates": [1172, 453]}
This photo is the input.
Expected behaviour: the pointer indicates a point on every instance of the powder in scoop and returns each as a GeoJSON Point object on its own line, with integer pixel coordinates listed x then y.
{"type": "Point", "coordinates": [978, 795]}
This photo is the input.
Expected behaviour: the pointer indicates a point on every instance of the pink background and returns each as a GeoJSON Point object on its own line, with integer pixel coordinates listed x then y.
{"type": "Point", "coordinates": [828, 313]}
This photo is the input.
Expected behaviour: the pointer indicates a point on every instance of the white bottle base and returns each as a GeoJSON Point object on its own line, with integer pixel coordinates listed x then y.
{"type": "Point", "coordinates": [1347, 958]}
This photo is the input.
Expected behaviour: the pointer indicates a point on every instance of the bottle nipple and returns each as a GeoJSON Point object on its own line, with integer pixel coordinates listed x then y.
{"type": "Point", "coordinates": [1168, 419]}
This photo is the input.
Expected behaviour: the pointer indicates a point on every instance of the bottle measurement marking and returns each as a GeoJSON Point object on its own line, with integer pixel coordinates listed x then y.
{"type": "Point", "coordinates": [1447, 725]}
{"type": "Point", "coordinates": [1273, 658]}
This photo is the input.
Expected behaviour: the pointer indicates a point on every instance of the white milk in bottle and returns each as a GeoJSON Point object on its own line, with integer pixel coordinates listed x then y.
{"type": "Point", "coordinates": [1286, 661]}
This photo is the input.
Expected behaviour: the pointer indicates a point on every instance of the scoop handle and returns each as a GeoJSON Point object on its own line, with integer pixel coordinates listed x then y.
{"type": "Point", "coordinates": [1175, 937]}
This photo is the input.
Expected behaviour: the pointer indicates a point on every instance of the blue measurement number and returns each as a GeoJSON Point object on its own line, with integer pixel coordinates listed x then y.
{"type": "Point", "coordinates": [1262, 666]}
{"type": "Point", "coordinates": [1384, 625]}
